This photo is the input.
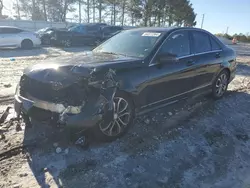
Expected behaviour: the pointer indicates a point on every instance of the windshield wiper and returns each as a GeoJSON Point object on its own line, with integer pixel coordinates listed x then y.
{"type": "Point", "coordinates": [112, 53]}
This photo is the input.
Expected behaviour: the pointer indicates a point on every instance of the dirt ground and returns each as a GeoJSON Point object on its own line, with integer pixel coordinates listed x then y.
{"type": "Point", "coordinates": [199, 143]}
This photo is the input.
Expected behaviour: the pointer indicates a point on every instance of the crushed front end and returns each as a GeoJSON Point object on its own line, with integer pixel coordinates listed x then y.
{"type": "Point", "coordinates": [71, 100]}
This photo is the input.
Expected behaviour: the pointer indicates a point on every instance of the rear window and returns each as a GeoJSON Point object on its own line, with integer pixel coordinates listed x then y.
{"type": "Point", "coordinates": [214, 44]}
{"type": "Point", "coordinates": [201, 42]}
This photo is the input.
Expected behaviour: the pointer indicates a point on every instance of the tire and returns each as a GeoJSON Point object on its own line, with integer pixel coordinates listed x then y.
{"type": "Point", "coordinates": [220, 85]}
{"type": "Point", "coordinates": [116, 128]}
{"type": "Point", "coordinates": [27, 44]}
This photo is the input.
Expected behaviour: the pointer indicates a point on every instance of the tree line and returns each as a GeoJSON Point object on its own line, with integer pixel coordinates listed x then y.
{"type": "Point", "coordinates": [240, 37]}
{"type": "Point", "coordinates": [115, 12]}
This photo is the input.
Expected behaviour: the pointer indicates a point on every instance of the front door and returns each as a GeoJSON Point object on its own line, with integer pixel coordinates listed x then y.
{"type": "Point", "coordinates": [171, 79]}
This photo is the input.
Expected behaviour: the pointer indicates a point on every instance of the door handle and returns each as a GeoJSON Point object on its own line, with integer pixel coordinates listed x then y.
{"type": "Point", "coordinates": [190, 62]}
{"type": "Point", "coordinates": [217, 55]}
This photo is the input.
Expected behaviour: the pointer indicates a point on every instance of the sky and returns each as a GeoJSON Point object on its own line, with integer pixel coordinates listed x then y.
{"type": "Point", "coordinates": [218, 15]}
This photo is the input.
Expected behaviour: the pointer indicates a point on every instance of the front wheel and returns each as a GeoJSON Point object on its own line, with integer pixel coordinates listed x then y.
{"type": "Point", "coordinates": [122, 119]}
{"type": "Point", "coordinates": [26, 44]}
{"type": "Point", "coordinates": [67, 43]}
{"type": "Point", "coordinates": [220, 85]}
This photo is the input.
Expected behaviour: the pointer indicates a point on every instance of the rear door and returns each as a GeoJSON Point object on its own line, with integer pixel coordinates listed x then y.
{"type": "Point", "coordinates": [172, 79]}
{"type": "Point", "coordinates": [208, 58]}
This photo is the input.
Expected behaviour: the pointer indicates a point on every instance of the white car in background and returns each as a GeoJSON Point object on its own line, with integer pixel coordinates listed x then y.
{"type": "Point", "coordinates": [18, 38]}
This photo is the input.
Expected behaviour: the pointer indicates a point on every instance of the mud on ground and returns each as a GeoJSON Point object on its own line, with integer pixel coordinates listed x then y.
{"type": "Point", "coordinates": [200, 143]}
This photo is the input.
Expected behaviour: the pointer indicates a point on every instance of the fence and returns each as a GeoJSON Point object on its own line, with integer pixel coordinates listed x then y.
{"type": "Point", "coordinates": [33, 25]}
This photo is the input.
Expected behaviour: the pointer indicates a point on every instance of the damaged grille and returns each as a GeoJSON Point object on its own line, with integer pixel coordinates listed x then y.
{"type": "Point", "coordinates": [72, 95]}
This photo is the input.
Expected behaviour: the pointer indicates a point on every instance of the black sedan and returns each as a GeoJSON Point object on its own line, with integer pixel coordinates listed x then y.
{"type": "Point", "coordinates": [45, 35]}
{"type": "Point", "coordinates": [135, 71]}
{"type": "Point", "coordinates": [84, 34]}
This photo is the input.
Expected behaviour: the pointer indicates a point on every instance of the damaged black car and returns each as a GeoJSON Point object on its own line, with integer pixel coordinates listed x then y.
{"type": "Point", "coordinates": [135, 71]}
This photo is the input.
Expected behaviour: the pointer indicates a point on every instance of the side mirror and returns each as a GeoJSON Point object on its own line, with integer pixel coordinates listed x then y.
{"type": "Point", "coordinates": [166, 58]}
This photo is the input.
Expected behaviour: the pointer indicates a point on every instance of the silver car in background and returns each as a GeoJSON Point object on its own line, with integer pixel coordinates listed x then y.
{"type": "Point", "coordinates": [11, 37]}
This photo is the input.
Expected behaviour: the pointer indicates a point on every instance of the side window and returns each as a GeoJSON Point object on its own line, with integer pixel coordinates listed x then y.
{"type": "Point", "coordinates": [106, 30]}
{"type": "Point", "coordinates": [215, 45]}
{"type": "Point", "coordinates": [177, 44]}
{"type": "Point", "coordinates": [10, 30]}
{"type": "Point", "coordinates": [77, 29]}
{"type": "Point", "coordinates": [115, 29]}
{"type": "Point", "coordinates": [93, 29]}
{"type": "Point", "coordinates": [201, 42]}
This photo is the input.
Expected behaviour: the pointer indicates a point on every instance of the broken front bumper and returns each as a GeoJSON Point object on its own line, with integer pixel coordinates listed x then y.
{"type": "Point", "coordinates": [75, 116]}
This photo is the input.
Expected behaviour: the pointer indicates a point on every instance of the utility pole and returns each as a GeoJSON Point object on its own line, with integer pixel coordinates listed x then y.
{"type": "Point", "coordinates": [80, 12]}
{"type": "Point", "coordinates": [227, 30]}
{"type": "Point", "coordinates": [203, 15]}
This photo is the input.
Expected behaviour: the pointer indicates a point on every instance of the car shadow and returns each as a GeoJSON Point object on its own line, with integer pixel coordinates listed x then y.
{"type": "Point", "coordinates": [243, 69]}
{"type": "Point", "coordinates": [13, 53]}
{"type": "Point", "coordinates": [60, 168]}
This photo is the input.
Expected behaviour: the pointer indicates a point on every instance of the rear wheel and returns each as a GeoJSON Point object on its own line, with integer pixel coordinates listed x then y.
{"type": "Point", "coordinates": [220, 85]}
{"type": "Point", "coordinates": [122, 119]}
{"type": "Point", "coordinates": [67, 43]}
{"type": "Point", "coordinates": [26, 44]}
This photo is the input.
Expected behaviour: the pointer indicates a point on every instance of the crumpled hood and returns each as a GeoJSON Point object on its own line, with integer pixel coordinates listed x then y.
{"type": "Point", "coordinates": [71, 68]}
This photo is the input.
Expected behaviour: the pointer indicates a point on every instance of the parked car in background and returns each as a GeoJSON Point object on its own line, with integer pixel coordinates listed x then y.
{"type": "Point", "coordinates": [107, 32]}
{"type": "Point", "coordinates": [133, 72]}
{"type": "Point", "coordinates": [235, 41]}
{"type": "Point", "coordinates": [45, 35]}
{"type": "Point", "coordinates": [84, 34]}
{"type": "Point", "coordinates": [16, 37]}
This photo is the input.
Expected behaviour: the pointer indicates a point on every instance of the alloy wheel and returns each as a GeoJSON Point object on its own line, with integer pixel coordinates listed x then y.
{"type": "Point", "coordinates": [221, 84]}
{"type": "Point", "coordinates": [67, 43]}
{"type": "Point", "coordinates": [121, 118]}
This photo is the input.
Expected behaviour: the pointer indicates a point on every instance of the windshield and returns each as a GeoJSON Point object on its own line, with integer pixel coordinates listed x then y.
{"type": "Point", "coordinates": [42, 30]}
{"type": "Point", "coordinates": [130, 43]}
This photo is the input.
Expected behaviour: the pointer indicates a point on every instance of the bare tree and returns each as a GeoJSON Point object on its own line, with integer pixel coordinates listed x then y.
{"type": "Point", "coordinates": [1, 8]}
{"type": "Point", "coordinates": [88, 11]}
{"type": "Point", "coordinates": [44, 10]}
{"type": "Point", "coordinates": [80, 11]}
{"type": "Point", "coordinates": [93, 6]}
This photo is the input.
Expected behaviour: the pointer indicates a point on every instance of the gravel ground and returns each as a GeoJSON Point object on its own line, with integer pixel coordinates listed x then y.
{"type": "Point", "coordinates": [197, 143]}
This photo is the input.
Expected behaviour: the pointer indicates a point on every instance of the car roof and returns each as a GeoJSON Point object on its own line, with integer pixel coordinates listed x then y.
{"type": "Point", "coordinates": [166, 29]}
{"type": "Point", "coordinates": [114, 26]}
{"type": "Point", "coordinates": [9, 27]}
